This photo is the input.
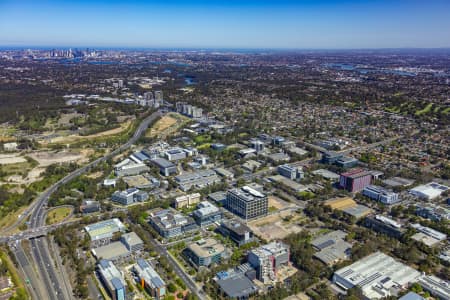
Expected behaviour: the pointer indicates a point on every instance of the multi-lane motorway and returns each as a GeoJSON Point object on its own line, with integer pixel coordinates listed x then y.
{"type": "Point", "coordinates": [55, 287]}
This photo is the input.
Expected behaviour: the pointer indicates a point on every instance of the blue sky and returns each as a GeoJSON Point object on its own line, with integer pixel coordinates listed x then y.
{"type": "Point", "coordinates": [301, 24]}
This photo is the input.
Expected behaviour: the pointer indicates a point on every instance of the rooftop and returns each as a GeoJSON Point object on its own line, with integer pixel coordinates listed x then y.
{"type": "Point", "coordinates": [104, 228]}
{"type": "Point", "coordinates": [247, 193]}
{"type": "Point", "coordinates": [206, 247]}
{"type": "Point", "coordinates": [237, 285]}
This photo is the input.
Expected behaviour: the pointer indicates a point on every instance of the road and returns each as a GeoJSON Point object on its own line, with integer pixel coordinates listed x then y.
{"type": "Point", "coordinates": [179, 271]}
{"type": "Point", "coordinates": [56, 286]}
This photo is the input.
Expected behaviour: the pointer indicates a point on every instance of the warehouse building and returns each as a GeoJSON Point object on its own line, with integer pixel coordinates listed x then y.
{"type": "Point", "coordinates": [378, 276]}
{"type": "Point", "coordinates": [437, 287]}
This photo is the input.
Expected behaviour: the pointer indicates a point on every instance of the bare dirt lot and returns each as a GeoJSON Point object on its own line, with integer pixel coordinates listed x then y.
{"type": "Point", "coordinates": [274, 226]}
{"type": "Point", "coordinates": [167, 125]}
{"type": "Point", "coordinates": [47, 158]}
{"type": "Point", "coordinates": [6, 159]}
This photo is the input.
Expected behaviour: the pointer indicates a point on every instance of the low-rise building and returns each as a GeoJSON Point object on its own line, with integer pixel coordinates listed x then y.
{"type": "Point", "coordinates": [267, 259]}
{"type": "Point", "coordinates": [187, 200]}
{"type": "Point", "coordinates": [89, 206]}
{"type": "Point", "coordinates": [427, 235]}
{"type": "Point", "coordinates": [331, 247]}
{"type": "Point", "coordinates": [290, 172]}
{"type": "Point", "coordinates": [129, 167]}
{"type": "Point", "coordinates": [384, 225]}
{"type": "Point", "coordinates": [377, 275]}
{"type": "Point", "coordinates": [346, 162]}
{"type": "Point", "coordinates": [197, 179]}
{"type": "Point", "coordinates": [206, 214]}
{"type": "Point", "coordinates": [166, 168]}
{"type": "Point", "coordinates": [437, 287]}
{"type": "Point", "coordinates": [150, 279]}
{"type": "Point", "coordinates": [429, 191]}
{"type": "Point", "coordinates": [132, 241]}
{"type": "Point", "coordinates": [169, 223]}
{"type": "Point", "coordinates": [235, 285]}
{"type": "Point", "coordinates": [129, 196]}
{"type": "Point", "coordinates": [238, 232]}
{"type": "Point", "coordinates": [112, 279]}
{"type": "Point", "coordinates": [433, 212]}
{"type": "Point", "coordinates": [349, 206]}
{"type": "Point", "coordinates": [175, 154]}
{"type": "Point", "coordinates": [102, 232]}
{"type": "Point", "coordinates": [204, 252]}
{"type": "Point", "coordinates": [380, 194]}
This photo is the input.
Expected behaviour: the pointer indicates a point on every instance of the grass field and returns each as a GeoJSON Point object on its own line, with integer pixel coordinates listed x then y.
{"type": "Point", "coordinates": [21, 292]}
{"type": "Point", "coordinates": [58, 214]}
{"type": "Point", "coordinates": [11, 218]}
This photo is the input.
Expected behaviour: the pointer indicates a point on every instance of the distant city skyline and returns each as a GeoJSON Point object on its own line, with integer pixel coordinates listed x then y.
{"type": "Point", "coordinates": [266, 24]}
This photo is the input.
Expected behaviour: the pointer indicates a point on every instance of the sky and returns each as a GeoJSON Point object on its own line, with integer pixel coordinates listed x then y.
{"type": "Point", "coordinates": [282, 24]}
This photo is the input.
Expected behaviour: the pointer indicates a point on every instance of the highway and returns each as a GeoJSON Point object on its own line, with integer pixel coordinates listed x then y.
{"type": "Point", "coordinates": [37, 211]}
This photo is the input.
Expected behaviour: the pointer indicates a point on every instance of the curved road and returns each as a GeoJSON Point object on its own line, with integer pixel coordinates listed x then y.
{"type": "Point", "coordinates": [39, 248]}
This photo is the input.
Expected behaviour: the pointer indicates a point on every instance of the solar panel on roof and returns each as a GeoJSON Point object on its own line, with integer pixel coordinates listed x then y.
{"type": "Point", "coordinates": [325, 244]}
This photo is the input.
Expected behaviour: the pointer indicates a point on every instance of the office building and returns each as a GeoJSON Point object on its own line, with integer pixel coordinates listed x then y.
{"type": "Point", "coordinates": [427, 235]}
{"type": "Point", "coordinates": [257, 145]}
{"type": "Point", "coordinates": [129, 196]}
{"type": "Point", "coordinates": [437, 287]}
{"type": "Point", "coordinates": [112, 279]}
{"type": "Point", "coordinates": [102, 232]}
{"type": "Point", "coordinates": [89, 206]}
{"type": "Point", "coordinates": [377, 275]}
{"type": "Point", "coordinates": [149, 279]}
{"type": "Point", "coordinates": [267, 259]}
{"type": "Point", "coordinates": [204, 252]}
{"type": "Point", "coordinates": [166, 168]}
{"type": "Point", "coordinates": [330, 157]}
{"type": "Point", "coordinates": [169, 223]}
{"type": "Point", "coordinates": [290, 172]}
{"type": "Point", "coordinates": [187, 200]}
{"type": "Point", "coordinates": [132, 241]}
{"type": "Point", "coordinates": [433, 212]}
{"type": "Point", "coordinates": [129, 167]}
{"type": "Point", "coordinates": [346, 162]}
{"type": "Point", "coordinates": [197, 179]}
{"type": "Point", "coordinates": [380, 194]}
{"type": "Point", "coordinates": [175, 154]}
{"type": "Point", "coordinates": [384, 225]}
{"type": "Point", "coordinates": [278, 140]}
{"type": "Point", "coordinates": [355, 180]}
{"type": "Point", "coordinates": [247, 203]}
{"type": "Point", "coordinates": [238, 232]}
{"type": "Point", "coordinates": [206, 214]}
